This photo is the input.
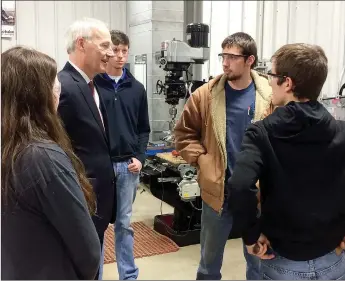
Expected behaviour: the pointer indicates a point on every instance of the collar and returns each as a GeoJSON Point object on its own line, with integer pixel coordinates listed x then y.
{"type": "Point", "coordinates": [82, 73]}
{"type": "Point", "coordinates": [123, 76]}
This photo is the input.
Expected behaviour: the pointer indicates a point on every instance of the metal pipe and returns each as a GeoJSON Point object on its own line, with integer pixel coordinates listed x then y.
{"type": "Point", "coordinates": [260, 28]}
{"type": "Point", "coordinates": [193, 11]}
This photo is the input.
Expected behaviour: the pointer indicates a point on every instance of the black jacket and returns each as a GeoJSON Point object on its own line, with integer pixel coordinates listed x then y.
{"type": "Point", "coordinates": [83, 124]}
{"type": "Point", "coordinates": [46, 229]}
{"type": "Point", "coordinates": [128, 117]}
{"type": "Point", "coordinates": [298, 154]}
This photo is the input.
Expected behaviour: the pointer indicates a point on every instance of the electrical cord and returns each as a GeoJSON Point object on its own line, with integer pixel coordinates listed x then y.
{"type": "Point", "coordinates": [162, 195]}
{"type": "Point", "coordinates": [174, 233]}
{"type": "Point", "coordinates": [194, 206]}
{"type": "Point", "coordinates": [161, 210]}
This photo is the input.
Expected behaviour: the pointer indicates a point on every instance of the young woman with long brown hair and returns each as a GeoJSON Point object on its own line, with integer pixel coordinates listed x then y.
{"type": "Point", "coordinates": [47, 202]}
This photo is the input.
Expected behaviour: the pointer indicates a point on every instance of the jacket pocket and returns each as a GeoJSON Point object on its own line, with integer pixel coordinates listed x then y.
{"type": "Point", "coordinates": [201, 162]}
{"type": "Point", "coordinates": [199, 168]}
{"type": "Point", "coordinates": [206, 174]}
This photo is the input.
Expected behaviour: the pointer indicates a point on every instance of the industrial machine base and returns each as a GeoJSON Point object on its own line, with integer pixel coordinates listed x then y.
{"type": "Point", "coordinates": [163, 224]}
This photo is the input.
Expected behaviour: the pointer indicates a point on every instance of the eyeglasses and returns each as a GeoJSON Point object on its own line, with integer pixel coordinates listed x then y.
{"type": "Point", "coordinates": [230, 57]}
{"type": "Point", "coordinates": [271, 75]}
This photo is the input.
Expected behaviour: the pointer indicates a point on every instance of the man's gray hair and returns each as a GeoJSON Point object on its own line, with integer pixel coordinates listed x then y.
{"type": "Point", "coordinates": [82, 28]}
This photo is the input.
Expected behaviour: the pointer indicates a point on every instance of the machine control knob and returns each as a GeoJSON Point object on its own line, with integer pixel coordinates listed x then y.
{"type": "Point", "coordinates": [162, 61]}
{"type": "Point", "coordinates": [189, 174]}
{"type": "Point", "coordinates": [173, 111]}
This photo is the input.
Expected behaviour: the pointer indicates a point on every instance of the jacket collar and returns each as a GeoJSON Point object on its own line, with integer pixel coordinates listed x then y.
{"type": "Point", "coordinates": [123, 76]}
{"type": "Point", "coordinates": [82, 73]}
{"type": "Point", "coordinates": [104, 79]}
{"type": "Point", "coordinates": [76, 75]}
{"type": "Point", "coordinates": [86, 93]}
{"type": "Point", "coordinates": [218, 108]}
{"type": "Point", "coordinates": [217, 84]}
{"type": "Point", "coordinates": [262, 86]}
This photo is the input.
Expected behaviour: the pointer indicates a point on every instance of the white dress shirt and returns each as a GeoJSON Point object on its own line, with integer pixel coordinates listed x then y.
{"type": "Point", "coordinates": [87, 79]}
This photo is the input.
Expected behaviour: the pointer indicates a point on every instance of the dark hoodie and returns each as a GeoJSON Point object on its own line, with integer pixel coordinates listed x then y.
{"type": "Point", "coordinates": [128, 118]}
{"type": "Point", "coordinates": [298, 154]}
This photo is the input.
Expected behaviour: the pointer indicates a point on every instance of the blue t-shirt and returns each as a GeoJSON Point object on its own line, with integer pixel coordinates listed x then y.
{"type": "Point", "coordinates": [240, 107]}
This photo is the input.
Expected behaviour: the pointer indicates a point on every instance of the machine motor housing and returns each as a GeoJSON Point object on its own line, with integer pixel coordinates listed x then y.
{"type": "Point", "coordinates": [188, 189]}
{"type": "Point", "coordinates": [197, 35]}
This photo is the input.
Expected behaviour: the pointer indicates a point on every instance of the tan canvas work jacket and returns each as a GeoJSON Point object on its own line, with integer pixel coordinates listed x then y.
{"type": "Point", "coordinates": [200, 133]}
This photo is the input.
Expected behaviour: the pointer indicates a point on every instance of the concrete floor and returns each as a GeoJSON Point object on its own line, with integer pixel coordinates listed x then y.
{"type": "Point", "coordinates": [180, 265]}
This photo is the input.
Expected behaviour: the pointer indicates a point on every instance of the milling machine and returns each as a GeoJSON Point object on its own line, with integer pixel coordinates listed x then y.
{"type": "Point", "coordinates": [167, 175]}
{"type": "Point", "coordinates": [176, 58]}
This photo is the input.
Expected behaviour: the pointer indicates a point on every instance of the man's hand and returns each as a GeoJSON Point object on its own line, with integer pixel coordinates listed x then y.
{"type": "Point", "coordinates": [341, 247]}
{"type": "Point", "coordinates": [135, 166]}
{"type": "Point", "coordinates": [260, 248]}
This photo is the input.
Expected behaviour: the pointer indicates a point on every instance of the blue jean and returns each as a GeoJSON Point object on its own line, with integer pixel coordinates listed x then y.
{"type": "Point", "coordinates": [126, 188]}
{"type": "Point", "coordinates": [328, 267]}
{"type": "Point", "coordinates": [215, 230]}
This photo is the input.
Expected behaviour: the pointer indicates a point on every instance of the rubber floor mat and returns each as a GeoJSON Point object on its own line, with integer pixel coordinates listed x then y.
{"type": "Point", "coordinates": [147, 242]}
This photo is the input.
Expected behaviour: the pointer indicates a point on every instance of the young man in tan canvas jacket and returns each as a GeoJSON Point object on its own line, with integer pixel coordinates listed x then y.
{"type": "Point", "coordinates": [209, 134]}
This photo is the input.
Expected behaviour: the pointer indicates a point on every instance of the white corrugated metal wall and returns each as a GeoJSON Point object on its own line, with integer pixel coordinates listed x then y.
{"type": "Point", "coordinates": [42, 24]}
{"type": "Point", "coordinates": [275, 23]}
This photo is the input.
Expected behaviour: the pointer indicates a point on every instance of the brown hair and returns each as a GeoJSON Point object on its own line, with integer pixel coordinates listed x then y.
{"type": "Point", "coordinates": [118, 37]}
{"type": "Point", "coordinates": [243, 41]}
{"type": "Point", "coordinates": [28, 113]}
{"type": "Point", "coordinates": [306, 65]}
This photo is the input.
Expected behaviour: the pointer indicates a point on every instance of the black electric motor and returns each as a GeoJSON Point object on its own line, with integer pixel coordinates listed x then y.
{"type": "Point", "coordinates": [197, 35]}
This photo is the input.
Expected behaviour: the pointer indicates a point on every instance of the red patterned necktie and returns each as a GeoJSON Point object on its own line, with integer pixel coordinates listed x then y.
{"type": "Point", "coordinates": [92, 88]}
